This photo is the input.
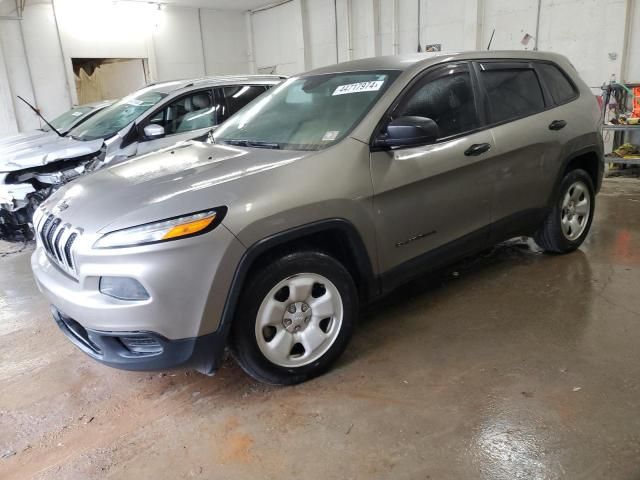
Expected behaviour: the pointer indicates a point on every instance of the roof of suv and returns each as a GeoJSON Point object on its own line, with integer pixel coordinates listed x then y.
{"type": "Point", "coordinates": [173, 85]}
{"type": "Point", "coordinates": [404, 62]}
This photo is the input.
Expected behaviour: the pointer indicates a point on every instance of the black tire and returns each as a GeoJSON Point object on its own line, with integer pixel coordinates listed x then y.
{"type": "Point", "coordinates": [244, 344]}
{"type": "Point", "coordinates": [550, 236]}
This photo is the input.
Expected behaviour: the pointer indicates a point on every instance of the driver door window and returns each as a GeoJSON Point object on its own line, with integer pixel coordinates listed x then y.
{"type": "Point", "coordinates": [192, 112]}
{"type": "Point", "coordinates": [446, 97]}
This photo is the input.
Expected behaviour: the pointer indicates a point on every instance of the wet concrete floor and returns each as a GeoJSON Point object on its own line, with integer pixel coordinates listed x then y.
{"type": "Point", "coordinates": [511, 365]}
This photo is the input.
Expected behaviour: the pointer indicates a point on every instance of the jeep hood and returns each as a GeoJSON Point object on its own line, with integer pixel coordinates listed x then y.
{"type": "Point", "coordinates": [175, 181]}
{"type": "Point", "coordinates": [18, 153]}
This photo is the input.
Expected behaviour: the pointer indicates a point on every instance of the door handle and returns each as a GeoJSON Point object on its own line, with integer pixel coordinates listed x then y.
{"type": "Point", "coordinates": [477, 149]}
{"type": "Point", "coordinates": [557, 125]}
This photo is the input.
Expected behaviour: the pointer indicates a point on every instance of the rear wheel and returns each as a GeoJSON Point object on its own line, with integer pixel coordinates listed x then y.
{"type": "Point", "coordinates": [569, 222]}
{"type": "Point", "coordinates": [295, 318]}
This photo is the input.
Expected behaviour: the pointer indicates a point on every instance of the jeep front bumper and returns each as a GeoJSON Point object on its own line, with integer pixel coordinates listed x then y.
{"type": "Point", "coordinates": [187, 282]}
{"type": "Point", "coordinates": [144, 350]}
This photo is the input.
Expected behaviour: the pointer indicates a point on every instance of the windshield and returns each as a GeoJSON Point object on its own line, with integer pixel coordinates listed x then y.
{"type": "Point", "coordinates": [65, 121]}
{"type": "Point", "coordinates": [306, 113]}
{"type": "Point", "coordinates": [112, 119]}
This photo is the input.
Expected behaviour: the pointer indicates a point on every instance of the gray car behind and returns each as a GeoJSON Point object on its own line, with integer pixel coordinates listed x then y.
{"type": "Point", "coordinates": [154, 117]}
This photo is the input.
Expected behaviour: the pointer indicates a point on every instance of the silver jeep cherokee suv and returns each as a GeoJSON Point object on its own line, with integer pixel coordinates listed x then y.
{"type": "Point", "coordinates": [331, 189]}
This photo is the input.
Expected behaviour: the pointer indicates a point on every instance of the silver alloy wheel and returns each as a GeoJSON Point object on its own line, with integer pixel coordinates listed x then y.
{"type": "Point", "coordinates": [576, 209]}
{"type": "Point", "coordinates": [299, 320]}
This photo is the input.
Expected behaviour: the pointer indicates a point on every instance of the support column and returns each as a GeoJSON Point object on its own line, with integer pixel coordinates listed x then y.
{"type": "Point", "coordinates": [8, 122]}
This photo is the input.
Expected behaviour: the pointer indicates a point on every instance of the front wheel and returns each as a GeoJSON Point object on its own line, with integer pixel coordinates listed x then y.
{"type": "Point", "coordinates": [569, 222]}
{"type": "Point", "coordinates": [295, 318]}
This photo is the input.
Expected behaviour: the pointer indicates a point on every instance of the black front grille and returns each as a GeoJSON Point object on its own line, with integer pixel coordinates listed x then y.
{"type": "Point", "coordinates": [58, 240]}
{"type": "Point", "coordinates": [67, 249]}
{"type": "Point", "coordinates": [45, 229]}
{"type": "Point", "coordinates": [49, 238]}
{"type": "Point", "coordinates": [56, 244]}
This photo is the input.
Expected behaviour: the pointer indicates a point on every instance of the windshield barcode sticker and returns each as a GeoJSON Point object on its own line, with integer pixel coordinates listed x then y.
{"type": "Point", "coordinates": [359, 87]}
{"type": "Point", "coordinates": [330, 136]}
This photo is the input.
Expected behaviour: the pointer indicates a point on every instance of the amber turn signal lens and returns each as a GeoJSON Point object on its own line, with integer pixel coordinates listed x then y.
{"type": "Point", "coordinates": [189, 228]}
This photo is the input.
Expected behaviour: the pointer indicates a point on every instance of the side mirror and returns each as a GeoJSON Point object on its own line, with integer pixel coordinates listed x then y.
{"type": "Point", "coordinates": [153, 131]}
{"type": "Point", "coordinates": [409, 132]}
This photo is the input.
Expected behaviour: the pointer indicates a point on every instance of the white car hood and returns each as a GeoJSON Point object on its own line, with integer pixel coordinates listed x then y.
{"type": "Point", "coordinates": [38, 150]}
{"type": "Point", "coordinates": [21, 138]}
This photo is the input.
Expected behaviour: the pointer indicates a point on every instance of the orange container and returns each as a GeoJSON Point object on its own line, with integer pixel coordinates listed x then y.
{"type": "Point", "coordinates": [636, 101]}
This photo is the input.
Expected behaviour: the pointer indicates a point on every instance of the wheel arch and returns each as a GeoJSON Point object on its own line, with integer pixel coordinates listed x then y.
{"type": "Point", "coordinates": [589, 159]}
{"type": "Point", "coordinates": [337, 237]}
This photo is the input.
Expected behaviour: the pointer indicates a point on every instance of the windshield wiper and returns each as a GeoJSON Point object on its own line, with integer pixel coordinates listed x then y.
{"type": "Point", "coordinates": [37, 112]}
{"type": "Point", "coordinates": [251, 143]}
{"type": "Point", "coordinates": [275, 146]}
{"type": "Point", "coordinates": [239, 143]}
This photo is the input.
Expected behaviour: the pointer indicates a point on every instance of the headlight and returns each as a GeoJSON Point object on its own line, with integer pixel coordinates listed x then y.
{"type": "Point", "coordinates": [171, 229]}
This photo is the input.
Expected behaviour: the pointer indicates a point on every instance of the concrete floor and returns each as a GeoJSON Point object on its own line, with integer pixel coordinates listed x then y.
{"type": "Point", "coordinates": [511, 365]}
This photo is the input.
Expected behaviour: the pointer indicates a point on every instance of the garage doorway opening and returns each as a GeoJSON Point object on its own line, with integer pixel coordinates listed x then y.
{"type": "Point", "coordinates": [108, 78]}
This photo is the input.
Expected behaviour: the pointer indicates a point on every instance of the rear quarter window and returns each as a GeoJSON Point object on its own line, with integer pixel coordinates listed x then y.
{"type": "Point", "coordinates": [512, 93]}
{"type": "Point", "coordinates": [560, 88]}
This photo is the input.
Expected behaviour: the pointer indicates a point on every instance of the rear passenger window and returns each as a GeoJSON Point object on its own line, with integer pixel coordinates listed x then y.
{"type": "Point", "coordinates": [559, 86]}
{"type": "Point", "coordinates": [238, 96]}
{"type": "Point", "coordinates": [446, 97]}
{"type": "Point", "coordinates": [512, 93]}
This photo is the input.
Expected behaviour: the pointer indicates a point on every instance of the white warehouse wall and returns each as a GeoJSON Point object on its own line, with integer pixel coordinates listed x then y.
{"type": "Point", "coordinates": [599, 37]}
{"type": "Point", "coordinates": [363, 28]}
{"type": "Point", "coordinates": [601, 32]}
{"type": "Point", "coordinates": [226, 42]}
{"type": "Point", "coordinates": [632, 61]}
{"type": "Point", "coordinates": [179, 42]}
{"type": "Point", "coordinates": [438, 25]}
{"type": "Point", "coordinates": [511, 21]}
{"type": "Point", "coordinates": [8, 123]}
{"type": "Point", "coordinates": [19, 76]}
{"type": "Point", "coordinates": [587, 31]}
{"type": "Point", "coordinates": [277, 37]}
{"type": "Point", "coordinates": [44, 57]}
{"type": "Point", "coordinates": [319, 23]}
{"type": "Point", "coordinates": [101, 29]}
{"type": "Point", "coordinates": [34, 67]}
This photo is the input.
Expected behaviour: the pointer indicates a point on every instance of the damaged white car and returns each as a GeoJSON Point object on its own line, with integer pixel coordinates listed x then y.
{"type": "Point", "coordinates": [16, 201]}
{"type": "Point", "coordinates": [154, 117]}
{"type": "Point", "coordinates": [59, 126]}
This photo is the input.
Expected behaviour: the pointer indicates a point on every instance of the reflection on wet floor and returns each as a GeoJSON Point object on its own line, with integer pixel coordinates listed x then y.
{"type": "Point", "coordinates": [511, 364]}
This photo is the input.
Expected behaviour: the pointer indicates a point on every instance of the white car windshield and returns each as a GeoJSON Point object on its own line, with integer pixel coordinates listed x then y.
{"type": "Point", "coordinates": [68, 119]}
{"type": "Point", "coordinates": [112, 119]}
{"type": "Point", "coordinates": [306, 113]}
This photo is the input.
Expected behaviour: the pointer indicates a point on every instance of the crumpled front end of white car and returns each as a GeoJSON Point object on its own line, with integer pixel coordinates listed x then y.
{"type": "Point", "coordinates": [22, 191]}
{"type": "Point", "coordinates": [14, 206]}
